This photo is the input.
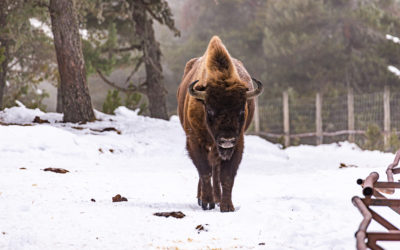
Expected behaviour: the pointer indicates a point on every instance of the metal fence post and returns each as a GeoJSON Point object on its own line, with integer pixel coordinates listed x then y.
{"type": "Point", "coordinates": [286, 123]}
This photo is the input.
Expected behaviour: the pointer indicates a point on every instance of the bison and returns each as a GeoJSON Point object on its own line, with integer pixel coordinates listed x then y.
{"type": "Point", "coordinates": [215, 107]}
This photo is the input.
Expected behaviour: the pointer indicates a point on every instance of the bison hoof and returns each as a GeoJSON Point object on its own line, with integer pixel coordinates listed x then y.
{"type": "Point", "coordinates": [211, 205]}
{"type": "Point", "coordinates": [206, 205]}
{"type": "Point", "coordinates": [227, 207]}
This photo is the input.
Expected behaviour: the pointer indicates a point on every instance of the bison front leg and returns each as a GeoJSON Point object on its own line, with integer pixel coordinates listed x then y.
{"type": "Point", "coordinates": [206, 200]}
{"type": "Point", "coordinates": [227, 180]}
{"type": "Point", "coordinates": [228, 172]}
{"type": "Point", "coordinates": [204, 188]}
{"type": "Point", "coordinates": [216, 183]}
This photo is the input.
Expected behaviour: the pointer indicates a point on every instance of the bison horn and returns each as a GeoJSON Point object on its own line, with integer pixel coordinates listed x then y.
{"type": "Point", "coordinates": [201, 95]}
{"type": "Point", "coordinates": [255, 92]}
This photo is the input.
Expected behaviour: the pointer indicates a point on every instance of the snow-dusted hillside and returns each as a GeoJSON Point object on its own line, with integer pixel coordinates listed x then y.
{"type": "Point", "coordinates": [296, 198]}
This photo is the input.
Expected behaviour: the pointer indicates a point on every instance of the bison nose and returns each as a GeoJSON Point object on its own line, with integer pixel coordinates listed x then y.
{"type": "Point", "coordinates": [226, 142]}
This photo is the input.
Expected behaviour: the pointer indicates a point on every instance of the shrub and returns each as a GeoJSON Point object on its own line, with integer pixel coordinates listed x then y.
{"type": "Point", "coordinates": [374, 138]}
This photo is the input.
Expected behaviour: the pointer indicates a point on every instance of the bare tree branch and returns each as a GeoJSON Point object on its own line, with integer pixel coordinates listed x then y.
{"type": "Point", "coordinates": [134, 70]}
{"type": "Point", "coordinates": [130, 89]}
{"type": "Point", "coordinates": [9, 68]}
{"type": "Point", "coordinates": [133, 47]}
{"type": "Point", "coordinates": [160, 20]}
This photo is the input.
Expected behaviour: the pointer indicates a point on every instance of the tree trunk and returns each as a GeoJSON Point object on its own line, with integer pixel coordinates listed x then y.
{"type": "Point", "coordinates": [4, 51]}
{"type": "Point", "coordinates": [4, 54]}
{"type": "Point", "coordinates": [59, 108]}
{"type": "Point", "coordinates": [155, 90]}
{"type": "Point", "coordinates": [76, 103]}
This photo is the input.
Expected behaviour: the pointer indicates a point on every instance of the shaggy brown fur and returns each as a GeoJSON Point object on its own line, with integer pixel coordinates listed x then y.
{"type": "Point", "coordinates": [215, 126]}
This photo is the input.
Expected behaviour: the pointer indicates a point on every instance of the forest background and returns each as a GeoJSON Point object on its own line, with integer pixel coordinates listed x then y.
{"type": "Point", "coordinates": [299, 46]}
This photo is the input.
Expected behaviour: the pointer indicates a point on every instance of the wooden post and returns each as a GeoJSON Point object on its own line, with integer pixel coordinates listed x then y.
{"type": "Point", "coordinates": [350, 113]}
{"type": "Point", "coordinates": [256, 116]}
{"type": "Point", "coordinates": [286, 124]}
{"type": "Point", "coordinates": [386, 115]}
{"type": "Point", "coordinates": [318, 120]}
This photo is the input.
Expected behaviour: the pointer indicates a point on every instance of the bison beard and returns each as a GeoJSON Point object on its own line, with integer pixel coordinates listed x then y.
{"type": "Point", "coordinates": [225, 153]}
{"type": "Point", "coordinates": [215, 107]}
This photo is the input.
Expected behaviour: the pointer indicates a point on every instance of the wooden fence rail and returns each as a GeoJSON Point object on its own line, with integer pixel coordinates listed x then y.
{"type": "Point", "coordinates": [311, 134]}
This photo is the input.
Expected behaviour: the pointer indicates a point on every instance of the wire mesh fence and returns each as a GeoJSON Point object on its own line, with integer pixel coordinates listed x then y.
{"type": "Point", "coordinates": [271, 115]}
{"type": "Point", "coordinates": [368, 109]}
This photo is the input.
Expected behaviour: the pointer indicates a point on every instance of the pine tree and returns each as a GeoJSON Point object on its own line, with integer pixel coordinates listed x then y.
{"type": "Point", "coordinates": [317, 45]}
{"type": "Point", "coordinates": [127, 26]}
{"type": "Point", "coordinates": [76, 102]}
{"type": "Point", "coordinates": [26, 55]}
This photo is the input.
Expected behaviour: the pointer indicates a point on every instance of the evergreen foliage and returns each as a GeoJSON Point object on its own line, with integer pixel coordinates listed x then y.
{"type": "Point", "coordinates": [319, 44]}
{"type": "Point", "coordinates": [31, 59]}
{"type": "Point", "coordinates": [307, 45]}
{"type": "Point", "coordinates": [132, 101]}
{"type": "Point", "coordinates": [394, 142]}
{"type": "Point", "coordinates": [113, 101]}
{"type": "Point", "coordinates": [115, 42]}
{"type": "Point", "coordinates": [136, 101]}
{"type": "Point", "coordinates": [374, 138]}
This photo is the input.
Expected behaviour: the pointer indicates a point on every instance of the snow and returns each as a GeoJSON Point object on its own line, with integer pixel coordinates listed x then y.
{"type": "Point", "coordinates": [394, 70]}
{"type": "Point", "coordinates": [47, 30]}
{"type": "Point", "coordinates": [42, 26]}
{"type": "Point", "coordinates": [393, 38]}
{"type": "Point", "coordinates": [297, 198]}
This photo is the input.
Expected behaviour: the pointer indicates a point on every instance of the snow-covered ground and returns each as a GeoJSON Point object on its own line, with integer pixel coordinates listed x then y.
{"type": "Point", "coordinates": [296, 198]}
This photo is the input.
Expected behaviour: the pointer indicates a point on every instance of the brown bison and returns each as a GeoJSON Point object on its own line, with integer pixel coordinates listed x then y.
{"type": "Point", "coordinates": [215, 107]}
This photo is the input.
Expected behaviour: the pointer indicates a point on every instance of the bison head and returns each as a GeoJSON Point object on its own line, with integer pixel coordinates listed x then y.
{"type": "Point", "coordinates": [225, 111]}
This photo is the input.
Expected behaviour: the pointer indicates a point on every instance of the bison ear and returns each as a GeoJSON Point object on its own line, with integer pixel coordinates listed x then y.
{"type": "Point", "coordinates": [218, 58]}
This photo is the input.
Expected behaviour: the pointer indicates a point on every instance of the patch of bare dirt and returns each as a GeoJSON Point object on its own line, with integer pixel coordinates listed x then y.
{"type": "Point", "coordinates": [201, 228]}
{"type": "Point", "coordinates": [14, 124]}
{"type": "Point", "coordinates": [56, 170]}
{"type": "Point", "coordinates": [99, 130]}
{"type": "Point", "coordinates": [118, 198]}
{"type": "Point", "coordinates": [178, 215]}
{"type": "Point", "coordinates": [37, 119]}
{"type": "Point", "coordinates": [111, 129]}
{"type": "Point", "coordinates": [343, 165]}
